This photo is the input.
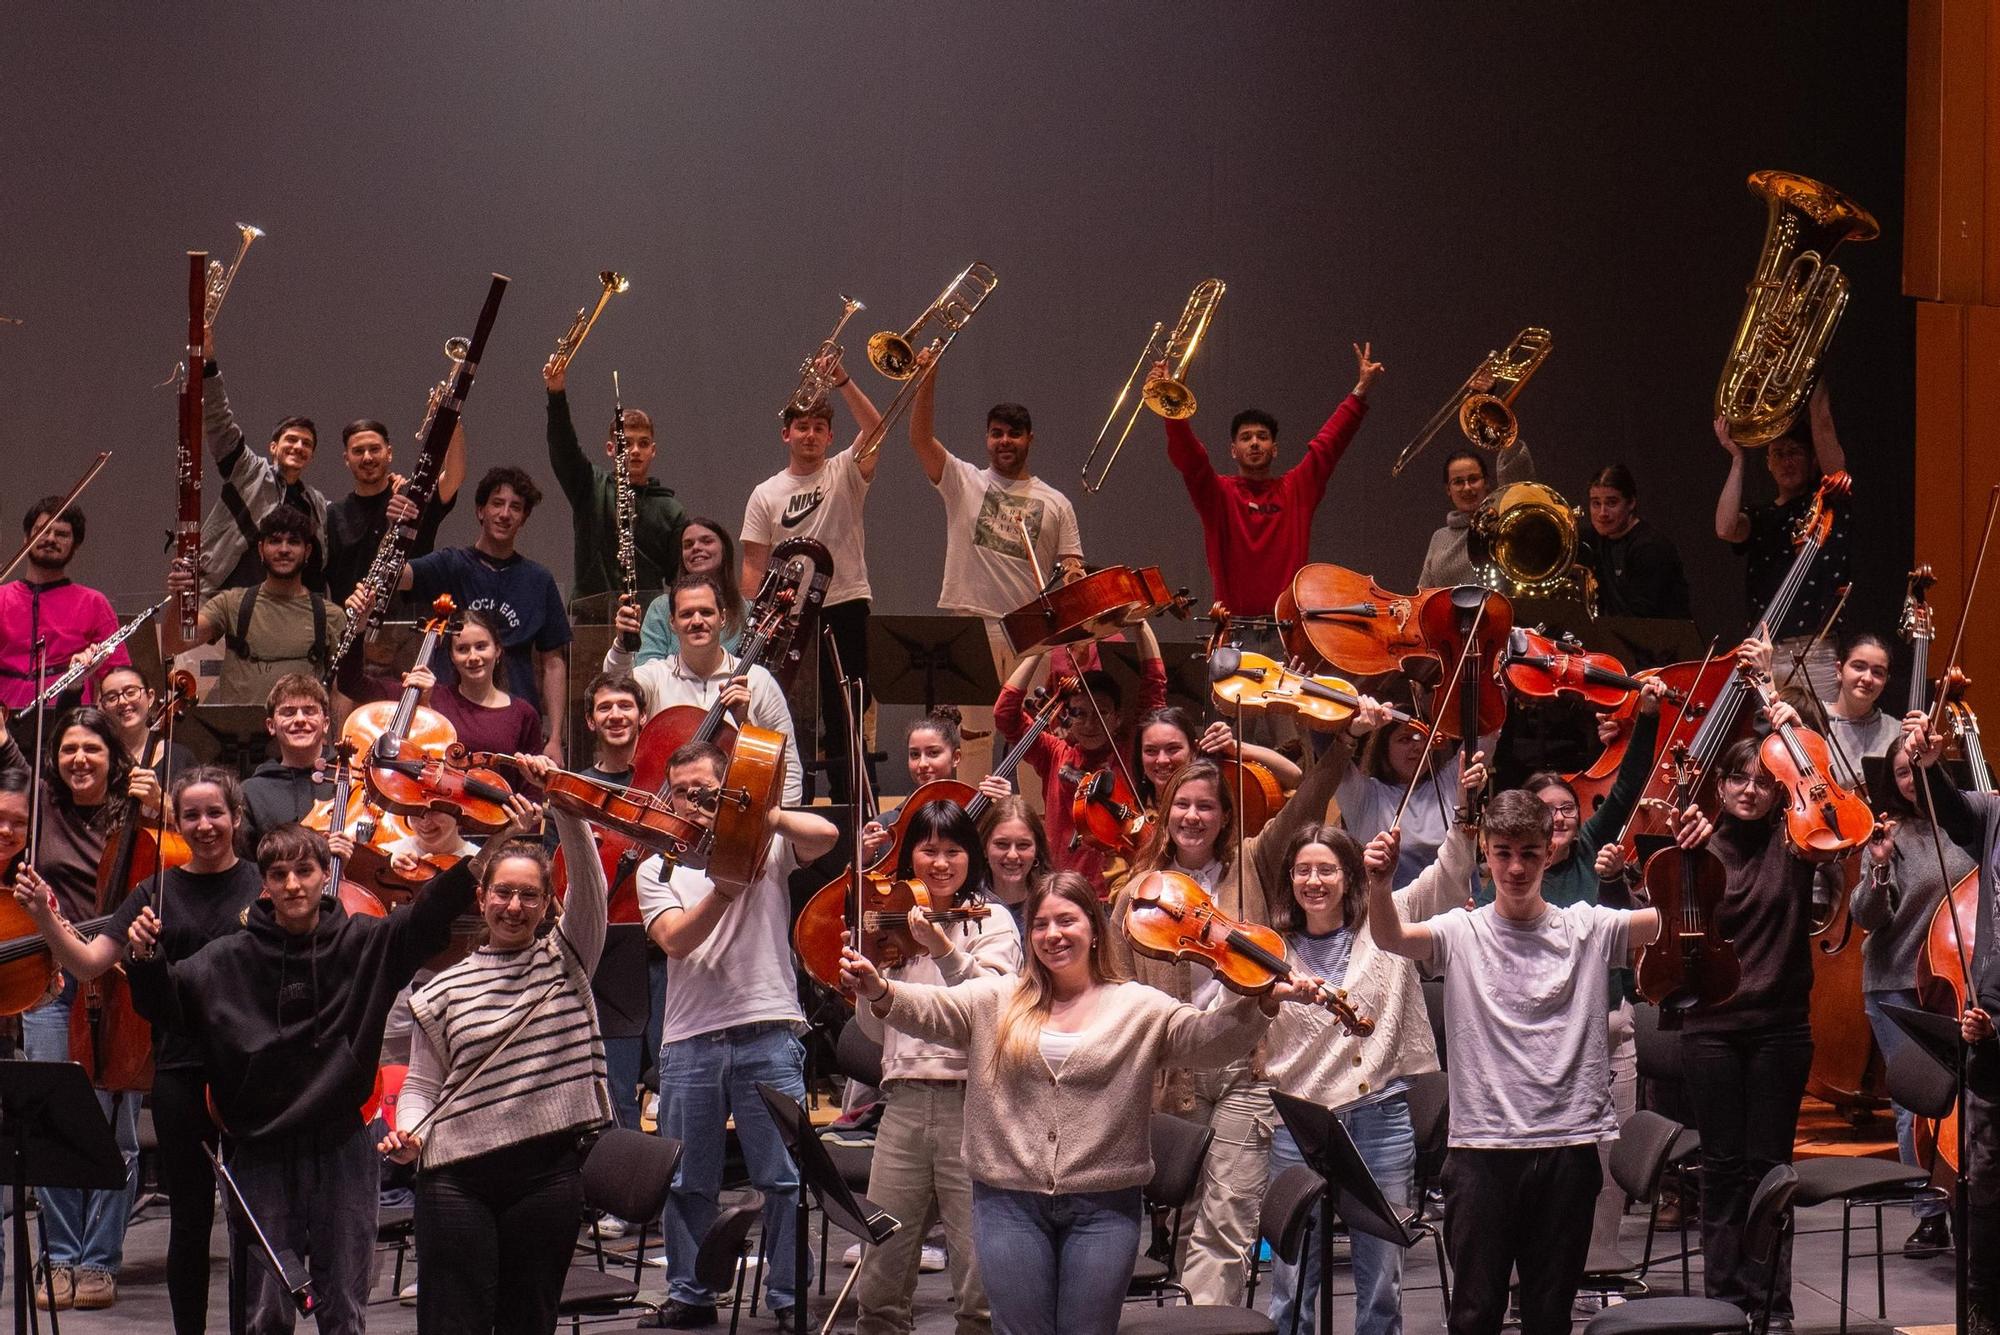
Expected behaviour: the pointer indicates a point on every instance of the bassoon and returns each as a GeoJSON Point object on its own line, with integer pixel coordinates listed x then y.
{"type": "Point", "coordinates": [447, 404]}
{"type": "Point", "coordinates": [187, 528]}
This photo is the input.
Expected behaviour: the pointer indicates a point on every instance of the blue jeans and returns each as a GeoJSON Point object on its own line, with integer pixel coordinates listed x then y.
{"type": "Point", "coordinates": [86, 1228]}
{"type": "Point", "coordinates": [625, 1058]}
{"type": "Point", "coordinates": [1056, 1263]}
{"type": "Point", "coordinates": [703, 1082]}
{"type": "Point", "coordinates": [1890, 1037]}
{"type": "Point", "coordinates": [1388, 1145]}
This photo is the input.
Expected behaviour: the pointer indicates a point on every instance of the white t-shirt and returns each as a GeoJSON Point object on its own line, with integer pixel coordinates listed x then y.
{"type": "Point", "coordinates": [825, 504]}
{"type": "Point", "coordinates": [668, 682]}
{"type": "Point", "coordinates": [986, 568]}
{"type": "Point", "coordinates": [1524, 1008]}
{"type": "Point", "coordinates": [742, 974]}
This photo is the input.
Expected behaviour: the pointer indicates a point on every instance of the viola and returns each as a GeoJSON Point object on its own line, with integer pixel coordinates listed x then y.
{"type": "Point", "coordinates": [1535, 664]}
{"type": "Point", "coordinates": [29, 974]}
{"type": "Point", "coordinates": [816, 932]}
{"type": "Point", "coordinates": [1338, 618]}
{"type": "Point", "coordinates": [1692, 964]}
{"type": "Point", "coordinates": [738, 839]}
{"type": "Point", "coordinates": [1101, 603]}
{"type": "Point", "coordinates": [1170, 917]}
{"type": "Point", "coordinates": [1822, 819]}
{"type": "Point", "coordinates": [642, 818]}
{"type": "Point", "coordinates": [1471, 625]}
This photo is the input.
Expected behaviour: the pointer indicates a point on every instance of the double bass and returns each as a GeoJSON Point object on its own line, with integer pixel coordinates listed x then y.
{"type": "Point", "coordinates": [1941, 982]}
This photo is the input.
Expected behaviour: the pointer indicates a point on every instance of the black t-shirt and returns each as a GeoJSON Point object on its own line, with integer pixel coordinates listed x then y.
{"type": "Point", "coordinates": [1638, 575]}
{"type": "Point", "coordinates": [354, 528]}
{"type": "Point", "coordinates": [201, 906]}
{"type": "Point", "coordinates": [1770, 554]}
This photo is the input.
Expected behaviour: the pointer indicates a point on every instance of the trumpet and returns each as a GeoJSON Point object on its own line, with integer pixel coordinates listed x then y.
{"type": "Point", "coordinates": [1483, 405]}
{"type": "Point", "coordinates": [586, 316]}
{"type": "Point", "coordinates": [220, 277]}
{"type": "Point", "coordinates": [895, 355]}
{"type": "Point", "coordinates": [813, 384]}
{"type": "Point", "coordinates": [1796, 298]}
{"type": "Point", "coordinates": [1166, 395]}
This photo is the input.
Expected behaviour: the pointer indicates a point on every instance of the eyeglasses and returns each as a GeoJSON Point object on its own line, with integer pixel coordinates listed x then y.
{"type": "Point", "coordinates": [120, 697]}
{"type": "Point", "coordinates": [1757, 781]}
{"type": "Point", "coordinates": [1328, 874]}
{"type": "Point", "coordinates": [527, 899]}
{"type": "Point", "coordinates": [1567, 809]}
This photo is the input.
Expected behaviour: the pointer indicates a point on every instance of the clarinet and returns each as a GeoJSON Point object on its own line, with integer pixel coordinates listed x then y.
{"type": "Point", "coordinates": [447, 403]}
{"type": "Point", "coordinates": [187, 462]}
{"type": "Point", "coordinates": [103, 651]}
{"type": "Point", "coordinates": [628, 511]}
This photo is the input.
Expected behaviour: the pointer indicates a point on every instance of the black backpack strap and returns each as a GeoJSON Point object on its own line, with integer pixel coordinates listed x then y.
{"type": "Point", "coordinates": [237, 641]}
{"type": "Point", "coordinates": [317, 656]}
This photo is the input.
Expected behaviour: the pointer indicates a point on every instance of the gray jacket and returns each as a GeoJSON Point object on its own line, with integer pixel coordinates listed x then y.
{"type": "Point", "coordinates": [251, 489]}
{"type": "Point", "coordinates": [1446, 562]}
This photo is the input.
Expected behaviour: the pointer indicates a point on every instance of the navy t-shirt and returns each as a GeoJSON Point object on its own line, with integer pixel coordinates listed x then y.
{"type": "Point", "coordinates": [518, 593]}
{"type": "Point", "coordinates": [1769, 551]}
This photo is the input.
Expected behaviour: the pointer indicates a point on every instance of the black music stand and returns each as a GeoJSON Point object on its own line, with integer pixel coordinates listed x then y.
{"type": "Point", "coordinates": [1938, 1037]}
{"type": "Point", "coordinates": [248, 1242]}
{"type": "Point", "coordinates": [52, 1134]}
{"type": "Point", "coordinates": [1352, 1193]}
{"type": "Point", "coordinates": [232, 736]}
{"type": "Point", "coordinates": [856, 1214]}
{"type": "Point", "coordinates": [930, 661]}
{"type": "Point", "coordinates": [622, 986]}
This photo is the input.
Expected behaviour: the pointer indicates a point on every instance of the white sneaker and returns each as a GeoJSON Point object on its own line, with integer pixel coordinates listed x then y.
{"type": "Point", "coordinates": [852, 1256]}
{"type": "Point", "coordinates": [931, 1261]}
{"type": "Point", "coordinates": [611, 1226]}
{"type": "Point", "coordinates": [408, 1297]}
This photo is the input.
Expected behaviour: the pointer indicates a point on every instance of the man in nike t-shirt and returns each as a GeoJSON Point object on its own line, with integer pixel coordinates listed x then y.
{"type": "Point", "coordinates": [818, 497]}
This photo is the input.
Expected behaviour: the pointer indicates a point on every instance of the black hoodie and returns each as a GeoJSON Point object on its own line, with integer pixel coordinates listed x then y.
{"type": "Point", "coordinates": [279, 793]}
{"type": "Point", "coordinates": [290, 1027]}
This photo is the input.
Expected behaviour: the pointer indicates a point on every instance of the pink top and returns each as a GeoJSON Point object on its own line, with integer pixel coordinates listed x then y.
{"type": "Point", "coordinates": [72, 618]}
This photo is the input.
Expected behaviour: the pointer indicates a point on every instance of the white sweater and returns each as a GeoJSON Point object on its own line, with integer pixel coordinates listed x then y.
{"type": "Point", "coordinates": [980, 947]}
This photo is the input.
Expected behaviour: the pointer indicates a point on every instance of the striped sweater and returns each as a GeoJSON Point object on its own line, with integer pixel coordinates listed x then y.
{"type": "Point", "coordinates": [551, 1076]}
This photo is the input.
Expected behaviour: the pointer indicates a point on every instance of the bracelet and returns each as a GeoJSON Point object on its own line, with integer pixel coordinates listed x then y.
{"type": "Point", "coordinates": [842, 382]}
{"type": "Point", "coordinates": [883, 995]}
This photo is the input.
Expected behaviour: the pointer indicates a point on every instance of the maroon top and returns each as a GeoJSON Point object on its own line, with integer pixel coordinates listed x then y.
{"type": "Point", "coordinates": [515, 726]}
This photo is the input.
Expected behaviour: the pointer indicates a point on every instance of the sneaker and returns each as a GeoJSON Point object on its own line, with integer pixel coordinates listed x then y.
{"type": "Point", "coordinates": [677, 1315]}
{"type": "Point", "coordinates": [784, 1317]}
{"type": "Point", "coordinates": [1931, 1238]}
{"type": "Point", "coordinates": [852, 1256]}
{"type": "Point", "coordinates": [95, 1290]}
{"type": "Point", "coordinates": [63, 1281]}
{"type": "Point", "coordinates": [611, 1226]}
{"type": "Point", "coordinates": [931, 1261]}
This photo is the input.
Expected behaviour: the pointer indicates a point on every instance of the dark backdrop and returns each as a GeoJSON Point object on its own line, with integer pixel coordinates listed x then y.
{"type": "Point", "coordinates": [1429, 176]}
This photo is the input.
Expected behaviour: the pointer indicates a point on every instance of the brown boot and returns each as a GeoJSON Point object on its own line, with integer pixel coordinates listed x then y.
{"type": "Point", "coordinates": [95, 1289]}
{"type": "Point", "coordinates": [63, 1280]}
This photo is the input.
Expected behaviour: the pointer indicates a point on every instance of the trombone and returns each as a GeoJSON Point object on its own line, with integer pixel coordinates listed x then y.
{"type": "Point", "coordinates": [1167, 395]}
{"type": "Point", "coordinates": [1483, 405]}
{"type": "Point", "coordinates": [895, 355]}
{"type": "Point", "coordinates": [586, 316]}
{"type": "Point", "coordinates": [815, 385]}
{"type": "Point", "coordinates": [219, 280]}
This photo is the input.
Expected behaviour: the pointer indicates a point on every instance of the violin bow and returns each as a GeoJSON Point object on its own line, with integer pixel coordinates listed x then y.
{"type": "Point", "coordinates": [55, 516]}
{"type": "Point", "coordinates": [1680, 711]}
{"type": "Point", "coordinates": [1451, 689]}
{"type": "Point", "coordinates": [1842, 761]}
{"type": "Point", "coordinates": [1934, 722]}
{"type": "Point", "coordinates": [863, 792]}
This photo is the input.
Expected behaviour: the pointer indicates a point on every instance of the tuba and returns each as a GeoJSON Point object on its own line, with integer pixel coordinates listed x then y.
{"type": "Point", "coordinates": [586, 316]}
{"type": "Point", "coordinates": [1483, 405]}
{"type": "Point", "coordinates": [1522, 542]}
{"type": "Point", "coordinates": [1166, 395]}
{"type": "Point", "coordinates": [1796, 297]}
{"type": "Point", "coordinates": [895, 354]}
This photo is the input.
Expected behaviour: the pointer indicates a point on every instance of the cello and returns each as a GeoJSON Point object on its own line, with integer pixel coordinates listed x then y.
{"type": "Point", "coordinates": [1101, 603]}
{"type": "Point", "coordinates": [1942, 985]}
{"type": "Point", "coordinates": [1334, 617]}
{"type": "Point", "coordinates": [816, 933]}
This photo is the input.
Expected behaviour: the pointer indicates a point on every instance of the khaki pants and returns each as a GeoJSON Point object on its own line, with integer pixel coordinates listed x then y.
{"type": "Point", "coordinates": [1610, 1208]}
{"type": "Point", "coordinates": [919, 1159]}
{"type": "Point", "coordinates": [1238, 1109]}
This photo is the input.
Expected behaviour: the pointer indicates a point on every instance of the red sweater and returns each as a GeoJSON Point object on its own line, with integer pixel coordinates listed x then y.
{"type": "Point", "coordinates": [1062, 766]}
{"type": "Point", "coordinates": [1257, 532]}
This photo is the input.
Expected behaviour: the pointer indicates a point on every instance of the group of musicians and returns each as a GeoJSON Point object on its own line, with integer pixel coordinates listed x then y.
{"type": "Point", "coordinates": [1045, 992]}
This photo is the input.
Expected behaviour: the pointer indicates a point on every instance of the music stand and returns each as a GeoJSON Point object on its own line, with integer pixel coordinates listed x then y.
{"type": "Point", "coordinates": [1353, 1193]}
{"type": "Point", "coordinates": [857, 1214]}
{"type": "Point", "coordinates": [930, 661]}
{"type": "Point", "coordinates": [232, 736]}
{"type": "Point", "coordinates": [247, 1236]}
{"type": "Point", "coordinates": [52, 1134]}
{"type": "Point", "coordinates": [1939, 1039]}
{"type": "Point", "coordinates": [622, 986]}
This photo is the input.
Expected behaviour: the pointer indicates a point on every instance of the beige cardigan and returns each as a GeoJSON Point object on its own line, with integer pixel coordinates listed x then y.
{"type": "Point", "coordinates": [1028, 1129]}
{"type": "Point", "coordinates": [980, 948]}
{"type": "Point", "coordinates": [1307, 1053]}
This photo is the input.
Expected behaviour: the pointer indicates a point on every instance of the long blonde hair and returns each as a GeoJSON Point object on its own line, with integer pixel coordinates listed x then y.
{"type": "Point", "coordinates": [1157, 852]}
{"type": "Point", "coordinates": [1019, 1034]}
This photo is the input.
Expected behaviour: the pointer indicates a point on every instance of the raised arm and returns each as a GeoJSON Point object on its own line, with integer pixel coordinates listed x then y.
{"type": "Point", "coordinates": [1731, 523]}
{"type": "Point", "coordinates": [583, 915]}
{"type": "Point", "coordinates": [1826, 444]}
{"type": "Point", "coordinates": [931, 452]}
{"type": "Point", "coordinates": [1408, 939]}
{"type": "Point", "coordinates": [566, 457]}
{"type": "Point", "coordinates": [866, 418]}
{"type": "Point", "coordinates": [85, 959]}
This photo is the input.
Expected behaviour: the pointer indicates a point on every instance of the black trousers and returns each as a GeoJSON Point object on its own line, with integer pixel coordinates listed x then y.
{"type": "Point", "coordinates": [1745, 1085]}
{"type": "Point", "coordinates": [1981, 1183]}
{"type": "Point", "coordinates": [494, 1236]}
{"type": "Point", "coordinates": [1517, 1210]}
{"type": "Point", "coordinates": [181, 1125]}
{"type": "Point", "coordinates": [849, 623]}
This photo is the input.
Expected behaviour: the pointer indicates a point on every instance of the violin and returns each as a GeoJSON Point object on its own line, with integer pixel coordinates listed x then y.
{"type": "Point", "coordinates": [1338, 618]}
{"type": "Point", "coordinates": [1822, 819]}
{"type": "Point", "coordinates": [29, 974]}
{"type": "Point", "coordinates": [1101, 603]}
{"type": "Point", "coordinates": [885, 918]}
{"type": "Point", "coordinates": [1256, 684]}
{"type": "Point", "coordinates": [816, 933]}
{"type": "Point", "coordinates": [1170, 917]}
{"type": "Point", "coordinates": [1535, 664]}
{"type": "Point", "coordinates": [1468, 625]}
{"type": "Point", "coordinates": [1692, 964]}
{"type": "Point", "coordinates": [1108, 815]}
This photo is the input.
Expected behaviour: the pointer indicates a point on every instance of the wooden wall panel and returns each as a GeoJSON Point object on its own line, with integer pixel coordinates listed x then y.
{"type": "Point", "coordinates": [1923, 152]}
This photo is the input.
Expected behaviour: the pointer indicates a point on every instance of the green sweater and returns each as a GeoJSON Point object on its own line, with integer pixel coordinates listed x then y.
{"type": "Point", "coordinates": [593, 498]}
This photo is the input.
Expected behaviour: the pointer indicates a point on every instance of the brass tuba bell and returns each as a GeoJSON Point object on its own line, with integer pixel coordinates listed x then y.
{"type": "Point", "coordinates": [1522, 541]}
{"type": "Point", "coordinates": [1796, 297]}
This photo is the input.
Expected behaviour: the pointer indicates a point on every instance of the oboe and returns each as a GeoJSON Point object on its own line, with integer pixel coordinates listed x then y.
{"type": "Point", "coordinates": [447, 402]}
{"type": "Point", "coordinates": [187, 462]}
{"type": "Point", "coordinates": [628, 511]}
